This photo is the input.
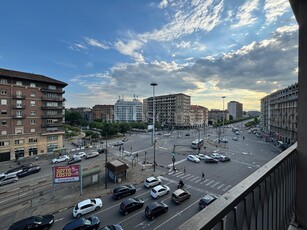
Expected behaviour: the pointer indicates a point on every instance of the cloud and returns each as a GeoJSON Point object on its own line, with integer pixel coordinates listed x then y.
{"type": "Point", "coordinates": [274, 9]}
{"type": "Point", "coordinates": [94, 43]}
{"type": "Point", "coordinates": [130, 48]}
{"type": "Point", "coordinates": [245, 16]}
{"type": "Point", "coordinates": [163, 4]}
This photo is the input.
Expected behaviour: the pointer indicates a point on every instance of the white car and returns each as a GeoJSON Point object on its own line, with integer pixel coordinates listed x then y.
{"type": "Point", "coordinates": [201, 156]}
{"type": "Point", "coordinates": [159, 190]}
{"type": "Point", "coordinates": [60, 159]}
{"type": "Point", "coordinates": [193, 158]}
{"type": "Point", "coordinates": [152, 181]}
{"type": "Point", "coordinates": [216, 156]}
{"type": "Point", "coordinates": [80, 154]}
{"type": "Point", "coordinates": [91, 155]}
{"type": "Point", "coordinates": [86, 206]}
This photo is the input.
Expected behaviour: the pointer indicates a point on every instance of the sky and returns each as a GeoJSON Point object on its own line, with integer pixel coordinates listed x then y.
{"type": "Point", "coordinates": [106, 50]}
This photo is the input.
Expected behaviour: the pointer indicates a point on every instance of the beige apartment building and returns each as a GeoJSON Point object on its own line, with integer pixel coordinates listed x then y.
{"type": "Point", "coordinates": [103, 112]}
{"type": "Point", "coordinates": [279, 114]}
{"type": "Point", "coordinates": [198, 116]}
{"type": "Point", "coordinates": [216, 115]}
{"type": "Point", "coordinates": [171, 110]}
{"type": "Point", "coordinates": [31, 114]}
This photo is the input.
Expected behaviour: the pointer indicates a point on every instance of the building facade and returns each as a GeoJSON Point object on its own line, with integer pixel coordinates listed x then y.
{"type": "Point", "coordinates": [172, 111]}
{"type": "Point", "coordinates": [215, 115]}
{"type": "Point", "coordinates": [235, 109]}
{"type": "Point", "coordinates": [198, 116]}
{"type": "Point", "coordinates": [86, 113]}
{"type": "Point", "coordinates": [32, 114]}
{"type": "Point", "coordinates": [279, 114]}
{"type": "Point", "coordinates": [103, 112]}
{"type": "Point", "coordinates": [128, 111]}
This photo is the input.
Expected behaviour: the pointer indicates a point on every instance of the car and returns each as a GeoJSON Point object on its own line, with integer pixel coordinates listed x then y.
{"type": "Point", "coordinates": [187, 134]}
{"type": "Point", "coordinates": [112, 227]}
{"type": "Point", "coordinates": [224, 159]}
{"type": "Point", "coordinates": [28, 171]}
{"type": "Point", "coordinates": [118, 143]}
{"type": "Point", "coordinates": [235, 138]}
{"type": "Point", "coordinates": [193, 158]}
{"type": "Point", "coordinates": [200, 156]}
{"type": "Point", "coordinates": [206, 200]}
{"type": "Point", "coordinates": [130, 205]}
{"type": "Point", "coordinates": [91, 155]}
{"type": "Point", "coordinates": [74, 159]}
{"type": "Point", "coordinates": [60, 159]}
{"type": "Point", "coordinates": [125, 139]}
{"type": "Point", "coordinates": [86, 206]}
{"type": "Point", "coordinates": [155, 209]}
{"type": "Point", "coordinates": [167, 134]}
{"type": "Point", "coordinates": [8, 180]}
{"type": "Point", "coordinates": [209, 159]}
{"type": "Point", "coordinates": [180, 195]}
{"type": "Point", "coordinates": [80, 154]}
{"type": "Point", "coordinates": [88, 223]}
{"type": "Point", "coordinates": [237, 133]}
{"type": "Point", "coordinates": [152, 181]}
{"type": "Point", "coordinates": [223, 140]}
{"type": "Point", "coordinates": [123, 190]}
{"type": "Point", "coordinates": [216, 156]}
{"type": "Point", "coordinates": [13, 171]}
{"type": "Point", "coordinates": [34, 222]}
{"type": "Point", "coordinates": [159, 190]}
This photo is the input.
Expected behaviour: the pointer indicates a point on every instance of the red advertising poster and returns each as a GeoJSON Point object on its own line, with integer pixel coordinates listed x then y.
{"type": "Point", "coordinates": [64, 174]}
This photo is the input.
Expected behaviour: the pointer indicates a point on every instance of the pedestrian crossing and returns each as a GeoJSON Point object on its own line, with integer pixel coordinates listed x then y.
{"type": "Point", "coordinates": [207, 182]}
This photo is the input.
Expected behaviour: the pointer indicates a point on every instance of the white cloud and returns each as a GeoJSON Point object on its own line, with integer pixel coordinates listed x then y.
{"type": "Point", "coordinates": [245, 15]}
{"type": "Point", "coordinates": [163, 4]}
{"type": "Point", "coordinates": [95, 43]}
{"type": "Point", "coordinates": [130, 48]}
{"type": "Point", "coordinates": [274, 9]}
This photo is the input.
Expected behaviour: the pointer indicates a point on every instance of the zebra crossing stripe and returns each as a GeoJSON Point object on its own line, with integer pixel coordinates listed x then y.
{"type": "Point", "coordinates": [204, 181]}
{"type": "Point", "coordinates": [189, 177]}
{"type": "Point", "coordinates": [197, 181]}
{"type": "Point", "coordinates": [210, 182]}
{"type": "Point", "coordinates": [185, 175]}
{"type": "Point", "coordinates": [212, 186]}
{"type": "Point", "coordinates": [220, 186]}
{"type": "Point", "coordinates": [226, 188]}
{"type": "Point", "coordinates": [194, 178]}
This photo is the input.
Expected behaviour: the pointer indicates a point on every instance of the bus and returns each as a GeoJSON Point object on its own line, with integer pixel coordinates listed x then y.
{"type": "Point", "coordinates": [197, 143]}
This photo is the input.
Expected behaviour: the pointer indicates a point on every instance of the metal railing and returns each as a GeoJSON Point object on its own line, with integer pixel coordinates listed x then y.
{"type": "Point", "coordinates": [265, 200]}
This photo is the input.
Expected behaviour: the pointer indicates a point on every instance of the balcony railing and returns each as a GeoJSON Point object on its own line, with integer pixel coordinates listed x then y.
{"type": "Point", "coordinates": [19, 116]}
{"type": "Point", "coordinates": [60, 91]}
{"type": "Point", "coordinates": [45, 98]}
{"type": "Point", "coordinates": [264, 200]}
{"type": "Point", "coordinates": [18, 106]}
{"type": "Point", "coordinates": [20, 97]}
{"type": "Point", "coordinates": [46, 116]}
{"type": "Point", "coordinates": [52, 125]}
{"type": "Point", "coordinates": [52, 107]}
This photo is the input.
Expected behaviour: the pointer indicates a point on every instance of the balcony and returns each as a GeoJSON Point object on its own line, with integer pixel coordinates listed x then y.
{"type": "Point", "coordinates": [18, 106]}
{"type": "Point", "coordinates": [19, 116]}
{"type": "Point", "coordinates": [52, 107]}
{"type": "Point", "coordinates": [52, 125]}
{"type": "Point", "coordinates": [46, 116]}
{"type": "Point", "coordinates": [44, 98]}
{"type": "Point", "coordinates": [19, 97]}
{"type": "Point", "coordinates": [60, 91]}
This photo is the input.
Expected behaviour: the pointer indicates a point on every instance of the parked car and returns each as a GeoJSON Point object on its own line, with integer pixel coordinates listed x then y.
{"type": "Point", "coordinates": [235, 138]}
{"type": "Point", "coordinates": [86, 206]}
{"type": "Point", "coordinates": [223, 140]}
{"type": "Point", "coordinates": [112, 227]}
{"type": "Point", "coordinates": [159, 190]}
{"type": "Point", "coordinates": [60, 159]}
{"type": "Point", "coordinates": [80, 154]}
{"type": "Point", "coordinates": [89, 223]}
{"type": "Point", "coordinates": [33, 222]}
{"type": "Point", "coordinates": [91, 155]}
{"type": "Point", "coordinates": [8, 180]}
{"type": "Point", "coordinates": [193, 158]}
{"type": "Point", "coordinates": [130, 205]}
{"type": "Point", "coordinates": [209, 159]}
{"type": "Point", "coordinates": [13, 171]}
{"type": "Point", "coordinates": [206, 200]}
{"type": "Point", "coordinates": [216, 155]}
{"type": "Point", "coordinates": [155, 209]}
{"type": "Point", "coordinates": [118, 143]}
{"type": "Point", "coordinates": [123, 190]}
{"type": "Point", "coordinates": [152, 181]}
{"type": "Point", "coordinates": [74, 160]}
{"type": "Point", "coordinates": [187, 134]}
{"type": "Point", "coordinates": [224, 159]}
{"type": "Point", "coordinates": [201, 156]}
{"type": "Point", "coordinates": [28, 171]}
{"type": "Point", "coordinates": [180, 195]}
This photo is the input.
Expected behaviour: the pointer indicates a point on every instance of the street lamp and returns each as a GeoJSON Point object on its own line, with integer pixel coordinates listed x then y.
{"type": "Point", "coordinates": [153, 122]}
{"type": "Point", "coordinates": [223, 113]}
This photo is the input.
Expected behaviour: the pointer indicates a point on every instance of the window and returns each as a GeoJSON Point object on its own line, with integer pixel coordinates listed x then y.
{"type": "Point", "coordinates": [32, 122]}
{"type": "Point", "coordinates": [18, 113]}
{"type": "Point", "coordinates": [4, 143]}
{"type": "Point", "coordinates": [32, 140]}
{"type": "Point", "coordinates": [18, 130]}
{"type": "Point", "coordinates": [18, 93]}
{"type": "Point", "coordinates": [19, 104]}
{"type": "Point", "coordinates": [3, 92]}
{"type": "Point", "coordinates": [18, 83]}
{"type": "Point", "coordinates": [3, 132]}
{"type": "Point", "coordinates": [32, 103]}
{"type": "Point", "coordinates": [52, 138]}
{"type": "Point", "coordinates": [51, 87]}
{"type": "Point", "coordinates": [3, 101]}
{"type": "Point", "coordinates": [19, 141]}
{"type": "Point", "coordinates": [3, 111]}
{"type": "Point", "coordinates": [33, 113]}
{"type": "Point", "coordinates": [32, 130]}
{"type": "Point", "coordinates": [32, 94]}
{"type": "Point", "coordinates": [52, 104]}
{"type": "Point", "coordinates": [3, 81]}
{"type": "Point", "coordinates": [32, 84]}
{"type": "Point", "coordinates": [4, 122]}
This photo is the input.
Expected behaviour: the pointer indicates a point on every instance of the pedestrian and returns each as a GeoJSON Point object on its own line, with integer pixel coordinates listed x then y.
{"type": "Point", "coordinates": [184, 171]}
{"type": "Point", "coordinates": [203, 175]}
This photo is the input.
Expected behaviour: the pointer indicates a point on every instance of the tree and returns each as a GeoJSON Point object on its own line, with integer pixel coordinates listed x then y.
{"type": "Point", "coordinates": [74, 118]}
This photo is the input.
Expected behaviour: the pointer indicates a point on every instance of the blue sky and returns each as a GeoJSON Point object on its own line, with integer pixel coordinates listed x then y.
{"type": "Point", "coordinates": [240, 49]}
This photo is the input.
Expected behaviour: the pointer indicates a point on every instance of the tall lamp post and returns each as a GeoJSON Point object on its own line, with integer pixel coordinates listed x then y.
{"type": "Point", "coordinates": [223, 113]}
{"type": "Point", "coordinates": [153, 122]}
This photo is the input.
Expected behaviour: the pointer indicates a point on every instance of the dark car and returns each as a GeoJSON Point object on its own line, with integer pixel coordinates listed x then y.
{"type": "Point", "coordinates": [123, 190]}
{"type": "Point", "coordinates": [112, 227]}
{"type": "Point", "coordinates": [74, 159]}
{"type": "Point", "coordinates": [155, 209]}
{"type": "Point", "coordinates": [206, 200]}
{"type": "Point", "coordinates": [34, 222]}
{"type": "Point", "coordinates": [180, 195]}
{"type": "Point", "coordinates": [187, 134]}
{"type": "Point", "coordinates": [89, 223]}
{"type": "Point", "coordinates": [14, 171]}
{"type": "Point", "coordinates": [28, 171]}
{"type": "Point", "coordinates": [130, 205]}
{"type": "Point", "coordinates": [209, 159]}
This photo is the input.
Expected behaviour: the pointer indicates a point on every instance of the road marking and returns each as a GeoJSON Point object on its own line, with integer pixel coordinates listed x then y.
{"type": "Point", "coordinates": [197, 181]}
{"type": "Point", "coordinates": [210, 182]}
{"type": "Point", "coordinates": [189, 177]}
{"type": "Point", "coordinates": [177, 162]}
{"type": "Point", "coordinates": [194, 178]}
{"type": "Point", "coordinates": [227, 187]}
{"type": "Point", "coordinates": [185, 175]}
{"type": "Point", "coordinates": [204, 181]}
{"type": "Point", "coordinates": [212, 186]}
{"type": "Point", "coordinates": [220, 186]}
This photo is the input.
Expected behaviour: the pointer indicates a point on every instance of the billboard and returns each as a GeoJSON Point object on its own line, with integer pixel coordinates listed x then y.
{"type": "Point", "coordinates": [63, 174]}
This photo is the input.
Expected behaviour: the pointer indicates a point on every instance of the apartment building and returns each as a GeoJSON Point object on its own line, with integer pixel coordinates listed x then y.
{"type": "Point", "coordinates": [128, 111]}
{"type": "Point", "coordinates": [215, 115]}
{"type": "Point", "coordinates": [31, 114]}
{"type": "Point", "coordinates": [86, 113]}
{"type": "Point", "coordinates": [103, 112]}
{"type": "Point", "coordinates": [198, 116]}
{"type": "Point", "coordinates": [171, 110]}
{"type": "Point", "coordinates": [235, 109]}
{"type": "Point", "coordinates": [279, 114]}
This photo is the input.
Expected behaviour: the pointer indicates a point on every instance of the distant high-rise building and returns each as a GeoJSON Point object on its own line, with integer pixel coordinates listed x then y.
{"type": "Point", "coordinates": [128, 111]}
{"type": "Point", "coordinates": [103, 112]}
{"type": "Point", "coordinates": [198, 116]}
{"type": "Point", "coordinates": [32, 114]}
{"type": "Point", "coordinates": [235, 109]}
{"type": "Point", "coordinates": [172, 110]}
